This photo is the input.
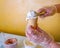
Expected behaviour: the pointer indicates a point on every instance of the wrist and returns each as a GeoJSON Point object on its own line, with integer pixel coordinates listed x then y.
{"type": "Point", "coordinates": [53, 44]}
{"type": "Point", "coordinates": [57, 7]}
{"type": "Point", "coordinates": [53, 10]}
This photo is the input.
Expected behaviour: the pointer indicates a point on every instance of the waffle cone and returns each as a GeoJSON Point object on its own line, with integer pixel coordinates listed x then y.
{"type": "Point", "coordinates": [33, 22]}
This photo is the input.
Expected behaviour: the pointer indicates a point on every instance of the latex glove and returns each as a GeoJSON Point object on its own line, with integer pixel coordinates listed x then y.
{"type": "Point", "coordinates": [46, 11]}
{"type": "Point", "coordinates": [37, 35]}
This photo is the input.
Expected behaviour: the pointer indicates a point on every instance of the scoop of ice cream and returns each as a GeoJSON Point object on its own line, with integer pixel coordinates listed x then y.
{"type": "Point", "coordinates": [31, 15]}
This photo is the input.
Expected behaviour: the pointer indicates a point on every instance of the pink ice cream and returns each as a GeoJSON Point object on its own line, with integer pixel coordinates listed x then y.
{"type": "Point", "coordinates": [10, 43]}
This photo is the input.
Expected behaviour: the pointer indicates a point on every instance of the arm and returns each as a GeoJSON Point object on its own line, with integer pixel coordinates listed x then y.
{"type": "Point", "coordinates": [48, 10]}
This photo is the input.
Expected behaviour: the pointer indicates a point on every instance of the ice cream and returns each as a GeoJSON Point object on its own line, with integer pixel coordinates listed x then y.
{"type": "Point", "coordinates": [32, 18]}
{"type": "Point", "coordinates": [10, 43]}
{"type": "Point", "coordinates": [31, 15]}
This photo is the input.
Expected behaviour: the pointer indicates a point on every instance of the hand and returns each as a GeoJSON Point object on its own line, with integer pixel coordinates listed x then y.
{"type": "Point", "coordinates": [46, 11]}
{"type": "Point", "coordinates": [37, 35]}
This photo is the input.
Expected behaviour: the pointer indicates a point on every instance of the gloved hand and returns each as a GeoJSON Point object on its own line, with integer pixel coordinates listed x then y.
{"type": "Point", "coordinates": [37, 35]}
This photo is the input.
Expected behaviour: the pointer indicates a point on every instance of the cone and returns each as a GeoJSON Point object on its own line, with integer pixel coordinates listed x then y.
{"type": "Point", "coordinates": [33, 22]}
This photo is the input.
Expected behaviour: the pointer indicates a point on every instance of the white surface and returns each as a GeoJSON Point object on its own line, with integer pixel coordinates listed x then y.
{"type": "Point", "coordinates": [20, 39]}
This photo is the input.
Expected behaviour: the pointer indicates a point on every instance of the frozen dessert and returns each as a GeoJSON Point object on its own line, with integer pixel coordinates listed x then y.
{"type": "Point", "coordinates": [10, 43]}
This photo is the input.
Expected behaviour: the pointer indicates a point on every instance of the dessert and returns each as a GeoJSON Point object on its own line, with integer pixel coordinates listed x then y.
{"type": "Point", "coordinates": [32, 18]}
{"type": "Point", "coordinates": [10, 43]}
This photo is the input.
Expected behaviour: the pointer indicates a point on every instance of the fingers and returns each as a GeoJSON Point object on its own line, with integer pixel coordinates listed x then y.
{"type": "Point", "coordinates": [30, 31]}
{"type": "Point", "coordinates": [46, 11]}
{"type": "Point", "coordinates": [41, 12]}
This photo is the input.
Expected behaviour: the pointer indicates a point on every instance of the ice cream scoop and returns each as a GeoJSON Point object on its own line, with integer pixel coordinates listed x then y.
{"type": "Point", "coordinates": [31, 15]}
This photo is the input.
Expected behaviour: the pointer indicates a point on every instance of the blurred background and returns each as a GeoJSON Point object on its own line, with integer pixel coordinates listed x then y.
{"type": "Point", "coordinates": [13, 14]}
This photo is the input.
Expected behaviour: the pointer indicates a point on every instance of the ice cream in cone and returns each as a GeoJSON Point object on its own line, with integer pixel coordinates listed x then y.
{"type": "Point", "coordinates": [32, 18]}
